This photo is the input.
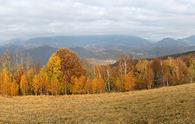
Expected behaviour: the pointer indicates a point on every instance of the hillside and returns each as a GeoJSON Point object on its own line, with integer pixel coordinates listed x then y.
{"type": "Point", "coordinates": [104, 47]}
{"type": "Point", "coordinates": [163, 105]}
{"type": "Point", "coordinates": [106, 44]}
{"type": "Point", "coordinates": [184, 54]}
{"type": "Point", "coordinates": [83, 41]}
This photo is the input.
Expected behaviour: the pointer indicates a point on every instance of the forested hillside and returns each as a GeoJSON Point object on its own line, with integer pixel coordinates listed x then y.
{"type": "Point", "coordinates": [66, 73]}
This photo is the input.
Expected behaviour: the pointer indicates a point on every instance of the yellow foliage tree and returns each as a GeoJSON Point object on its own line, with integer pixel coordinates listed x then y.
{"type": "Point", "coordinates": [31, 72]}
{"type": "Point", "coordinates": [98, 85]}
{"type": "Point", "coordinates": [118, 85]}
{"type": "Point", "coordinates": [6, 81]}
{"type": "Point", "coordinates": [54, 87]}
{"type": "Point", "coordinates": [88, 86]}
{"type": "Point", "coordinates": [14, 88]}
{"type": "Point", "coordinates": [37, 84]}
{"type": "Point", "coordinates": [79, 85]}
{"type": "Point", "coordinates": [145, 73]}
{"type": "Point", "coordinates": [41, 82]}
{"type": "Point", "coordinates": [24, 85]}
{"type": "Point", "coordinates": [56, 77]}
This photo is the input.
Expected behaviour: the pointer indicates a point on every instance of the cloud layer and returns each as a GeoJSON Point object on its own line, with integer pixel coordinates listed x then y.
{"type": "Point", "coordinates": [153, 19]}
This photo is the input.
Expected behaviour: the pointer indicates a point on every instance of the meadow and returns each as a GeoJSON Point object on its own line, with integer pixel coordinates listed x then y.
{"type": "Point", "coordinates": [174, 104]}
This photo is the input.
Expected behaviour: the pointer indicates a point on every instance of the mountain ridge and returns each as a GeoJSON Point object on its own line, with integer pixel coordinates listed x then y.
{"type": "Point", "coordinates": [101, 46]}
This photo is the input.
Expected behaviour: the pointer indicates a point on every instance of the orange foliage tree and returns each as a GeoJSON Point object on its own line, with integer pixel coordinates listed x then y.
{"type": "Point", "coordinates": [70, 67]}
{"type": "Point", "coordinates": [79, 85]}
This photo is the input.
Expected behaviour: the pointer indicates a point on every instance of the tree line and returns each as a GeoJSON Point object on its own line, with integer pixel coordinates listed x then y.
{"type": "Point", "coordinates": [66, 73]}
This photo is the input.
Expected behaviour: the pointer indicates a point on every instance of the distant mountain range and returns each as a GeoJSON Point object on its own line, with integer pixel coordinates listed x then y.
{"type": "Point", "coordinates": [100, 46]}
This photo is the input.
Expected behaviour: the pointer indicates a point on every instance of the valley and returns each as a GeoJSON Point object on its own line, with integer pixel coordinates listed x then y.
{"type": "Point", "coordinates": [102, 47]}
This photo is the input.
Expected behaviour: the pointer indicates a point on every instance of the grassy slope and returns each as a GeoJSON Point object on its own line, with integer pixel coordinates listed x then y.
{"type": "Point", "coordinates": [164, 105]}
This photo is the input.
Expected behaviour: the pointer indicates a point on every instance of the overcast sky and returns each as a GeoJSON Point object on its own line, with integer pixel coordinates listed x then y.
{"type": "Point", "coordinates": [152, 19]}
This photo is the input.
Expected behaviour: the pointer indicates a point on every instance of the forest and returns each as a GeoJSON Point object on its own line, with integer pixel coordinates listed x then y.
{"type": "Point", "coordinates": [66, 74]}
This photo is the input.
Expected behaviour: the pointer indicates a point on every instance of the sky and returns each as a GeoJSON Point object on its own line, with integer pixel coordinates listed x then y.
{"type": "Point", "coordinates": [151, 19]}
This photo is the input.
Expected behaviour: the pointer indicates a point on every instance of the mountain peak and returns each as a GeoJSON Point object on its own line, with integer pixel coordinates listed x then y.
{"type": "Point", "coordinates": [167, 39]}
{"type": "Point", "coordinates": [170, 42]}
{"type": "Point", "coordinates": [189, 40]}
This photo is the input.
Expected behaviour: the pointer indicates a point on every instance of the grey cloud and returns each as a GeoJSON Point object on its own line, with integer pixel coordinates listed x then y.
{"type": "Point", "coordinates": [152, 19]}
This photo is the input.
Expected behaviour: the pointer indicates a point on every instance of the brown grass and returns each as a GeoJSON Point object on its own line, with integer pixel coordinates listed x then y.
{"type": "Point", "coordinates": [165, 105]}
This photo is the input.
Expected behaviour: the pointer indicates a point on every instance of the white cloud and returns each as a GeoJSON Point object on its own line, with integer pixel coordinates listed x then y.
{"type": "Point", "coordinates": [148, 18]}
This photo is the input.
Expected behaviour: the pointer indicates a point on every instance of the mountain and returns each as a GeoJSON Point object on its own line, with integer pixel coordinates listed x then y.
{"type": "Point", "coordinates": [189, 40]}
{"type": "Point", "coordinates": [106, 44]}
{"type": "Point", "coordinates": [170, 42]}
{"type": "Point", "coordinates": [184, 54]}
{"type": "Point", "coordinates": [99, 46]}
{"type": "Point", "coordinates": [96, 46]}
{"type": "Point", "coordinates": [84, 41]}
{"type": "Point", "coordinates": [39, 54]}
{"type": "Point", "coordinates": [11, 48]}
{"type": "Point", "coordinates": [167, 46]}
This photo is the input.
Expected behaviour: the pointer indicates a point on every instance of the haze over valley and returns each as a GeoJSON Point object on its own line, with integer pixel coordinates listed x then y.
{"type": "Point", "coordinates": [103, 47]}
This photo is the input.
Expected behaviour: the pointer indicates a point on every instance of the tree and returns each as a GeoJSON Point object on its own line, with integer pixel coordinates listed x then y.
{"type": "Point", "coordinates": [40, 82]}
{"type": "Point", "coordinates": [191, 69]}
{"type": "Point", "coordinates": [182, 72]}
{"type": "Point", "coordinates": [79, 85]}
{"type": "Point", "coordinates": [129, 82]}
{"type": "Point", "coordinates": [17, 73]}
{"type": "Point", "coordinates": [120, 71]}
{"type": "Point", "coordinates": [144, 73]}
{"type": "Point", "coordinates": [104, 72]}
{"type": "Point", "coordinates": [108, 79]}
{"type": "Point", "coordinates": [169, 72]}
{"type": "Point", "coordinates": [70, 66]}
{"type": "Point", "coordinates": [98, 85]}
{"type": "Point", "coordinates": [125, 63]}
{"type": "Point", "coordinates": [36, 84]}
{"type": "Point", "coordinates": [24, 85]}
{"type": "Point", "coordinates": [126, 83]}
{"type": "Point", "coordinates": [56, 76]}
{"type": "Point", "coordinates": [88, 86]}
{"type": "Point", "coordinates": [157, 68]}
{"type": "Point", "coordinates": [54, 87]}
{"type": "Point", "coordinates": [30, 73]}
{"type": "Point", "coordinates": [13, 88]}
{"type": "Point", "coordinates": [6, 81]}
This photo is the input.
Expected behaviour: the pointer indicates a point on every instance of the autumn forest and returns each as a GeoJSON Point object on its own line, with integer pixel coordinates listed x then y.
{"type": "Point", "coordinates": [66, 74]}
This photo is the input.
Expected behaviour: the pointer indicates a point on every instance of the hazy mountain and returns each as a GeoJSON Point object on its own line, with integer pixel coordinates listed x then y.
{"type": "Point", "coordinates": [11, 48]}
{"type": "Point", "coordinates": [83, 53]}
{"type": "Point", "coordinates": [84, 41]}
{"type": "Point", "coordinates": [99, 46]}
{"type": "Point", "coordinates": [169, 42]}
{"type": "Point", "coordinates": [39, 54]}
{"type": "Point", "coordinates": [189, 40]}
{"type": "Point", "coordinates": [167, 46]}
{"type": "Point", "coordinates": [16, 41]}
{"type": "Point", "coordinates": [96, 46]}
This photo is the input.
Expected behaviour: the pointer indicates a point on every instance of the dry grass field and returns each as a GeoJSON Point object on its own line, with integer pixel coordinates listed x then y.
{"type": "Point", "coordinates": [164, 105]}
